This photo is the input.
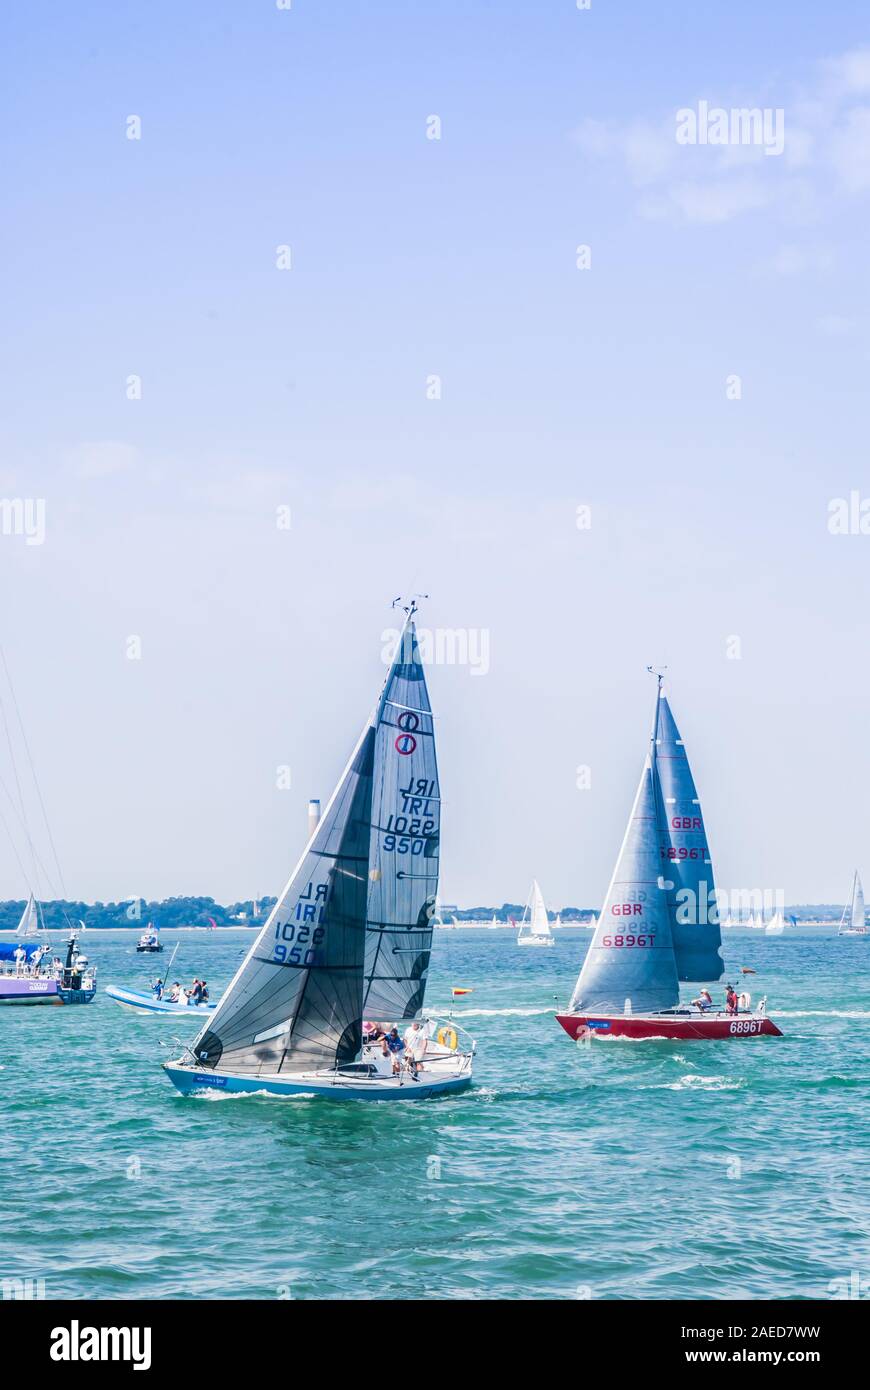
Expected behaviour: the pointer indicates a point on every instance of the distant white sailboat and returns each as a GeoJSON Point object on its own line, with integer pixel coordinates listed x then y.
{"type": "Point", "coordinates": [493, 925]}
{"type": "Point", "coordinates": [29, 924]}
{"type": "Point", "coordinates": [535, 930]}
{"type": "Point", "coordinates": [776, 924]}
{"type": "Point", "coordinates": [854, 920]}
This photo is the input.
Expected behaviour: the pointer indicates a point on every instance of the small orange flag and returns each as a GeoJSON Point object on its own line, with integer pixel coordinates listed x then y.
{"type": "Point", "coordinates": [462, 991]}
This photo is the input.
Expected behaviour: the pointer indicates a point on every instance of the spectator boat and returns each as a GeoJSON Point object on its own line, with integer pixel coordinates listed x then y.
{"type": "Point", "coordinates": [140, 1003]}
{"type": "Point", "coordinates": [30, 981]}
{"type": "Point", "coordinates": [149, 941]}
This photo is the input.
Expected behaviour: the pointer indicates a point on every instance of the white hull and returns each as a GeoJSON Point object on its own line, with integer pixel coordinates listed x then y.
{"type": "Point", "coordinates": [535, 941]}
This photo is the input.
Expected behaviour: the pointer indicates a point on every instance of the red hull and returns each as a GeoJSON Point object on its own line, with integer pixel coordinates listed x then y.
{"type": "Point", "coordinates": [685, 1027]}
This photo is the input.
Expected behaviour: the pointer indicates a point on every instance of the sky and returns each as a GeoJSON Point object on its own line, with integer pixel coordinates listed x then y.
{"type": "Point", "coordinates": [225, 468]}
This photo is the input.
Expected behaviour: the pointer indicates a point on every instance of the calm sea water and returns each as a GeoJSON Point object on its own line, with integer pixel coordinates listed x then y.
{"type": "Point", "coordinates": [621, 1170]}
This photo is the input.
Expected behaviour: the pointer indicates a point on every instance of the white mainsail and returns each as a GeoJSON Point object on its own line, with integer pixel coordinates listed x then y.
{"type": "Point", "coordinates": [854, 919]}
{"type": "Point", "coordinates": [537, 926]}
{"type": "Point", "coordinates": [631, 956]}
{"type": "Point", "coordinates": [29, 924]}
{"type": "Point", "coordinates": [858, 913]}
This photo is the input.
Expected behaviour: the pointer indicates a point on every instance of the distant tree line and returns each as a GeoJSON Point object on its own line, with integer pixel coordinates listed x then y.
{"type": "Point", "coordinates": [198, 912]}
{"type": "Point", "coordinates": [136, 912]}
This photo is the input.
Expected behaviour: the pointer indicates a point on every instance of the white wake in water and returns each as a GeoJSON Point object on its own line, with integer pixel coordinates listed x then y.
{"type": "Point", "coordinates": [821, 1013]}
{"type": "Point", "coordinates": [493, 1013]}
{"type": "Point", "coordinates": [699, 1083]}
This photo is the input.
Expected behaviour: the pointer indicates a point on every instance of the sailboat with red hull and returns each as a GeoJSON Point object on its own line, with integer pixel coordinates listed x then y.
{"type": "Point", "coordinates": [659, 925]}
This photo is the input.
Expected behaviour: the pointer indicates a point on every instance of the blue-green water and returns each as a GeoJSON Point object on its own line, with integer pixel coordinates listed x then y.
{"type": "Point", "coordinates": [620, 1170]}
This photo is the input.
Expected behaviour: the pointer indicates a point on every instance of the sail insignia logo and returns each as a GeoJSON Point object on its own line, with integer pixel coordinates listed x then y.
{"type": "Point", "coordinates": [77, 1343]}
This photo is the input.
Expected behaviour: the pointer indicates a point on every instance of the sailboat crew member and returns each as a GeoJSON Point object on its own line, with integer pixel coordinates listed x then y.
{"type": "Point", "coordinates": [730, 1000]}
{"type": "Point", "coordinates": [704, 1000]}
{"type": "Point", "coordinates": [19, 956]}
{"type": "Point", "coordinates": [394, 1047]}
{"type": "Point", "coordinates": [416, 1043]}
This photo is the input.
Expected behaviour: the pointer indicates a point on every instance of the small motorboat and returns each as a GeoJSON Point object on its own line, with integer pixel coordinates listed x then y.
{"type": "Point", "coordinates": [73, 981]}
{"type": "Point", "coordinates": [659, 924]}
{"type": "Point", "coordinates": [149, 941]}
{"type": "Point", "coordinates": [141, 1003]}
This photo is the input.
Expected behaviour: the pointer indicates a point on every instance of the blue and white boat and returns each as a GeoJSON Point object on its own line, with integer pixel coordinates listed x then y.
{"type": "Point", "coordinates": [350, 936]}
{"type": "Point", "coordinates": [141, 1003]}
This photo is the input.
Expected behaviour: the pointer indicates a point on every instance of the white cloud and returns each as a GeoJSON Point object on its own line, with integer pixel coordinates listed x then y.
{"type": "Point", "coordinates": [798, 260]}
{"type": "Point", "coordinates": [716, 201]}
{"type": "Point", "coordinates": [101, 458]}
{"type": "Point", "coordinates": [850, 150]}
{"type": "Point", "coordinates": [851, 71]}
{"type": "Point", "coordinates": [825, 154]}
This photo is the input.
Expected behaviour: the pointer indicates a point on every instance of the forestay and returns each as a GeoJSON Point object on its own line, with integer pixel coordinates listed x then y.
{"type": "Point", "coordinates": [403, 864]}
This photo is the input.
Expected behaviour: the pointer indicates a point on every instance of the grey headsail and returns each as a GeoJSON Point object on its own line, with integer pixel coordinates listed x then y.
{"type": "Point", "coordinates": [296, 1002]}
{"type": "Point", "coordinates": [685, 863]}
{"type": "Point", "coordinates": [631, 956]}
{"type": "Point", "coordinates": [406, 817]}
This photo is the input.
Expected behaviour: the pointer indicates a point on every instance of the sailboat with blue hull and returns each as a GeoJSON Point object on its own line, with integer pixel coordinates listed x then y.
{"type": "Point", "coordinates": [659, 925]}
{"type": "Point", "coordinates": [344, 955]}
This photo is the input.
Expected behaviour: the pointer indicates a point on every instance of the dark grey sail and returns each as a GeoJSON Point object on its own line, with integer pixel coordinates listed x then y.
{"type": "Point", "coordinates": [686, 865]}
{"type": "Point", "coordinates": [403, 865]}
{"type": "Point", "coordinates": [296, 1002]}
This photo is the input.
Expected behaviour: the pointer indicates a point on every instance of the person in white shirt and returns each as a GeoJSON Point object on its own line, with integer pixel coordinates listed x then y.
{"type": "Point", "coordinates": [415, 1046]}
{"type": "Point", "coordinates": [20, 956]}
